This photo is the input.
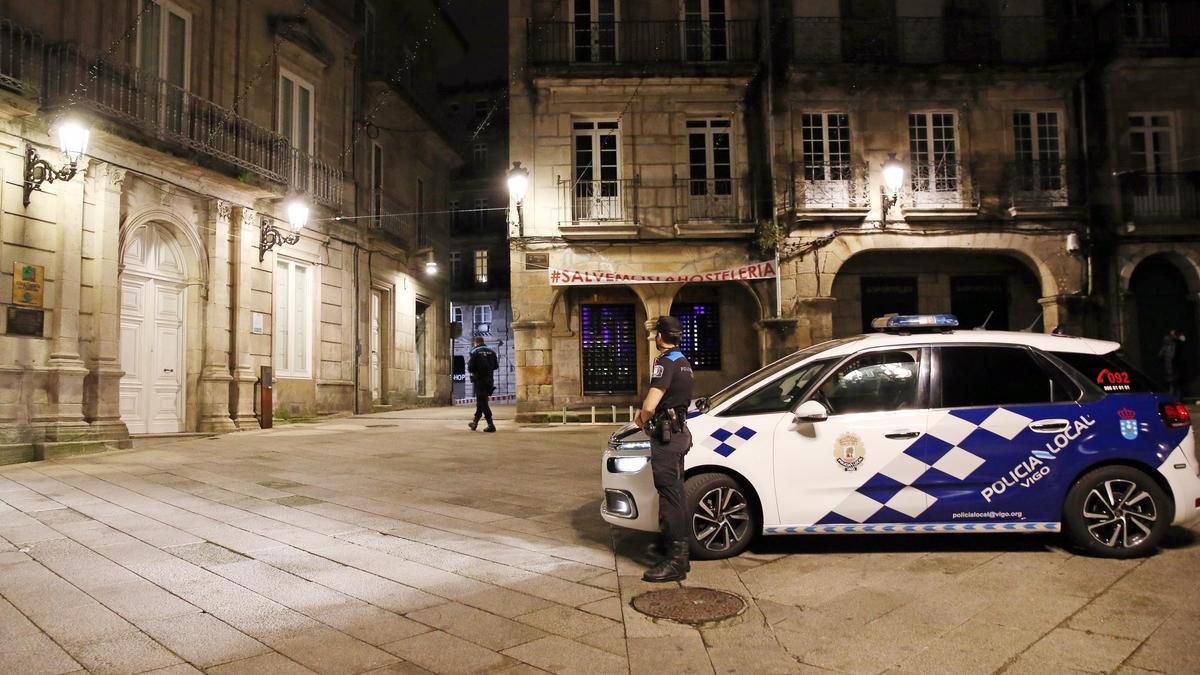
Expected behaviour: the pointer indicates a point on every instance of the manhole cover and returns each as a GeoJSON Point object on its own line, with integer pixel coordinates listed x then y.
{"type": "Point", "coordinates": [689, 605]}
{"type": "Point", "coordinates": [381, 426]}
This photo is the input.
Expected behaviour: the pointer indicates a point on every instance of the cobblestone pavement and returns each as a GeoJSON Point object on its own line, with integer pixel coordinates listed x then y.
{"type": "Point", "coordinates": [404, 543]}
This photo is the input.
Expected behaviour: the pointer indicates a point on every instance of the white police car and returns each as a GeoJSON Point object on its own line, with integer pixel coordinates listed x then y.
{"type": "Point", "coordinates": [923, 428]}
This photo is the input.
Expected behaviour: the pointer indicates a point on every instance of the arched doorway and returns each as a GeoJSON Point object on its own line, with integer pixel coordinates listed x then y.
{"type": "Point", "coordinates": [153, 332]}
{"type": "Point", "coordinates": [1163, 302]}
{"type": "Point", "coordinates": [719, 336]}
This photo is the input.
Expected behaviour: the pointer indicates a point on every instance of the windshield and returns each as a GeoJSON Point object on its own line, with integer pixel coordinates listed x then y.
{"type": "Point", "coordinates": [769, 372]}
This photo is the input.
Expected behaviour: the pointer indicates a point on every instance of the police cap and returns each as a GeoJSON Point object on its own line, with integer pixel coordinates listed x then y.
{"type": "Point", "coordinates": [669, 327]}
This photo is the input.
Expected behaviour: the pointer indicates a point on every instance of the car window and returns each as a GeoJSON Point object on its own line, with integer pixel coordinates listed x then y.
{"type": "Point", "coordinates": [1111, 372]}
{"type": "Point", "coordinates": [993, 376]}
{"type": "Point", "coordinates": [769, 372]}
{"type": "Point", "coordinates": [780, 394]}
{"type": "Point", "coordinates": [873, 382]}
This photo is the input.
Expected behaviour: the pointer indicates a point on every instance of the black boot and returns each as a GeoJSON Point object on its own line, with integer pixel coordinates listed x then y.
{"type": "Point", "coordinates": [673, 568]}
{"type": "Point", "coordinates": [657, 550]}
{"type": "Point", "coordinates": [474, 424]}
{"type": "Point", "coordinates": [491, 428]}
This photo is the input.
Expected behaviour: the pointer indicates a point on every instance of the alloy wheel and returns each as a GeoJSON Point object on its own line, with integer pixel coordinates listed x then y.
{"type": "Point", "coordinates": [1119, 513]}
{"type": "Point", "coordinates": [721, 519]}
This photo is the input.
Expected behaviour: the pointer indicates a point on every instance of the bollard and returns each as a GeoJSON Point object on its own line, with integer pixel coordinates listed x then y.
{"type": "Point", "coordinates": [631, 414]}
{"type": "Point", "coordinates": [593, 414]}
{"type": "Point", "coordinates": [266, 412]}
{"type": "Point", "coordinates": [564, 415]}
{"type": "Point", "coordinates": [614, 412]}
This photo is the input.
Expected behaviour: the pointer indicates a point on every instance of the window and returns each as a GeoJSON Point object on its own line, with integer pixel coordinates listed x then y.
{"type": "Point", "coordinates": [479, 156]}
{"type": "Point", "coordinates": [455, 265]}
{"type": "Point", "coordinates": [874, 382]}
{"type": "Point", "coordinates": [594, 31]}
{"type": "Point", "coordinates": [780, 395]}
{"type": "Point", "coordinates": [597, 189]}
{"type": "Point", "coordinates": [1037, 151]}
{"type": "Point", "coordinates": [456, 313]}
{"type": "Point", "coordinates": [701, 341]}
{"type": "Point", "coordinates": [376, 182]}
{"type": "Point", "coordinates": [1111, 372]}
{"type": "Point", "coordinates": [296, 122]}
{"type": "Point", "coordinates": [1145, 20]}
{"type": "Point", "coordinates": [482, 314]}
{"type": "Point", "coordinates": [481, 267]}
{"type": "Point", "coordinates": [705, 34]}
{"type": "Point", "coordinates": [164, 52]}
{"type": "Point", "coordinates": [994, 376]}
{"type": "Point", "coordinates": [933, 152]}
{"type": "Point", "coordinates": [481, 212]}
{"type": "Point", "coordinates": [825, 138]}
{"type": "Point", "coordinates": [709, 169]}
{"type": "Point", "coordinates": [369, 33]}
{"type": "Point", "coordinates": [293, 327]}
{"type": "Point", "coordinates": [609, 344]}
{"type": "Point", "coordinates": [1152, 142]}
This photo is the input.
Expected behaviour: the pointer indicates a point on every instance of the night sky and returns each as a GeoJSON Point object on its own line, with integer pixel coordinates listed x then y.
{"type": "Point", "coordinates": [485, 26]}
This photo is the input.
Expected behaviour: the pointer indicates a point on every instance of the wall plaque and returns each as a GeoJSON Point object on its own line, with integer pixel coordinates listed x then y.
{"type": "Point", "coordinates": [28, 283]}
{"type": "Point", "coordinates": [537, 261]}
{"type": "Point", "coordinates": [25, 321]}
{"type": "Point", "coordinates": [258, 322]}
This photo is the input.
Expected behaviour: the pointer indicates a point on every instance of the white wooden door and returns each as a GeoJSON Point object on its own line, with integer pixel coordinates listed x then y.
{"type": "Point", "coordinates": [152, 335]}
{"type": "Point", "coordinates": [376, 326]}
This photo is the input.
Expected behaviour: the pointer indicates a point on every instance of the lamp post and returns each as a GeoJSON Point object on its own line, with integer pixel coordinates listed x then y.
{"type": "Point", "coordinates": [518, 184]}
{"type": "Point", "coordinates": [893, 178]}
{"type": "Point", "coordinates": [72, 140]}
{"type": "Point", "coordinates": [271, 236]}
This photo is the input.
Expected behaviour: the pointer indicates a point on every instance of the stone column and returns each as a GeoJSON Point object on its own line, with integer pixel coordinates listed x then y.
{"type": "Point", "coordinates": [216, 379]}
{"type": "Point", "coordinates": [535, 372]}
{"type": "Point", "coordinates": [102, 387]}
{"type": "Point", "coordinates": [241, 395]}
{"type": "Point", "coordinates": [1062, 312]}
{"type": "Point", "coordinates": [814, 321]}
{"type": "Point", "coordinates": [777, 338]}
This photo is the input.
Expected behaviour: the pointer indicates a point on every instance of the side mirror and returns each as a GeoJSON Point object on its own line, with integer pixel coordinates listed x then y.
{"type": "Point", "coordinates": [811, 411]}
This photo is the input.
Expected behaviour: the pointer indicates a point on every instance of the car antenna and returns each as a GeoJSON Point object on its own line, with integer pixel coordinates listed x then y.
{"type": "Point", "coordinates": [1029, 328]}
{"type": "Point", "coordinates": [983, 326]}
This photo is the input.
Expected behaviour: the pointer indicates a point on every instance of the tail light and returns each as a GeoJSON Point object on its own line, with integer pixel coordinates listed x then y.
{"type": "Point", "coordinates": [1175, 415]}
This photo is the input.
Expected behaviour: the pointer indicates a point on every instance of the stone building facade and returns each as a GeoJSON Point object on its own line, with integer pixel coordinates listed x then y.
{"type": "Point", "coordinates": [161, 302]}
{"type": "Point", "coordinates": [689, 137]}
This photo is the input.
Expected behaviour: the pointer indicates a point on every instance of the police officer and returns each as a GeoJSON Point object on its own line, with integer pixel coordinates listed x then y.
{"type": "Point", "coordinates": [663, 416]}
{"type": "Point", "coordinates": [482, 364]}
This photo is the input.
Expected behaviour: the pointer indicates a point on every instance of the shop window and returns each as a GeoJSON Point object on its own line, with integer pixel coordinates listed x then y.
{"type": "Point", "coordinates": [701, 341]}
{"type": "Point", "coordinates": [609, 345]}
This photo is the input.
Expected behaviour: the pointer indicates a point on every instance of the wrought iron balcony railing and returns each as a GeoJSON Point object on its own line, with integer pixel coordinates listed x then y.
{"type": "Point", "coordinates": [1039, 184]}
{"type": "Point", "coordinates": [967, 40]}
{"type": "Point", "coordinates": [830, 186]}
{"type": "Point", "coordinates": [315, 178]}
{"type": "Point", "coordinates": [590, 201]}
{"type": "Point", "coordinates": [20, 58]}
{"type": "Point", "coordinates": [709, 200]}
{"type": "Point", "coordinates": [411, 230]}
{"type": "Point", "coordinates": [940, 185]}
{"type": "Point", "coordinates": [642, 42]}
{"type": "Point", "coordinates": [1150, 27]}
{"type": "Point", "coordinates": [1148, 197]}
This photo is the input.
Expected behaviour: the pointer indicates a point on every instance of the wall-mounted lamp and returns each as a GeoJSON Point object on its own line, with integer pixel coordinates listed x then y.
{"type": "Point", "coordinates": [893, 178]}
{"type": "Point", "coordinates": [431, 265]}
{"type": "Point", "coordinates": [518, 184]}
{"type": "Point", "coordinates": [297, 214]}
{"type": "Point", "coordinates": [72, 140]}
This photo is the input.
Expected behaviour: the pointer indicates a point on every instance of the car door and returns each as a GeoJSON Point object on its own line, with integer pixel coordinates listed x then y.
{"type": "Point", "coordinates": [996, 409]}
{"type": "Point", "coordinates": [855, 466]}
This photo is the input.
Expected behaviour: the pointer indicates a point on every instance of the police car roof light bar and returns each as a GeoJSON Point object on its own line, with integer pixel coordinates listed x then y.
{"type": "Point", "coordinates": [911, 322]}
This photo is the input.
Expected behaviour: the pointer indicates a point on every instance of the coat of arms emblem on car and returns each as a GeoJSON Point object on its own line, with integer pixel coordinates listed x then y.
{"type": "Point", "coordinates": [849, 451]}
{"type": "Point", "coordinates": [1129, 424]}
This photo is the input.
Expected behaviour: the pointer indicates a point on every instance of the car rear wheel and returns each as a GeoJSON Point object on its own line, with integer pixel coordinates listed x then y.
{"type": "Point", "coordinates": [723, 516]}
{"type": "Point", "coordinates": [1117, 512]}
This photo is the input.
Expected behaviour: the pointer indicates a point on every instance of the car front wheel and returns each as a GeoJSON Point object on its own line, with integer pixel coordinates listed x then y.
{"type": "Point", "coordinates": [723, 516]}
{"type": "Point", "coordinates": [1117, 512]}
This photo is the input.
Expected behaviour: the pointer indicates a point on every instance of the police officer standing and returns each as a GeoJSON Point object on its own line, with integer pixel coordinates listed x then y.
{"type": "Point", "coordinates": [663, 415]}
{"type": "Point", "coordinates": [482, 364]}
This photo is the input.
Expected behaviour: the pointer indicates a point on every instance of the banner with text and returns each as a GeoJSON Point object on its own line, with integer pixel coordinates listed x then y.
{"type": "Point", "coordinates": [762, 270]}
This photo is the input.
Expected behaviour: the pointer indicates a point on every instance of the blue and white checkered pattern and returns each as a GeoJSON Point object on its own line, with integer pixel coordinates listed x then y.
{"type": "Point", "coordinates": [725, 440]}
{"type": "Point", "coordinates": [918, 527]}
{"type": "Point", "coordinates": [941, 457]}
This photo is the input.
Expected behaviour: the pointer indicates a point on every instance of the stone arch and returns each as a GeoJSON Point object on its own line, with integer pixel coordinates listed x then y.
{"type": "Point", "coordinates": [1159, 294]}
{"type": "Point", "coordinates": [1185, 264]}
{"type": "Point", "coordinates": [194, 255]}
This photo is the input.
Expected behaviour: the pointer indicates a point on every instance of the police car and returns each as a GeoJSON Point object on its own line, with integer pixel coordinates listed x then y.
{"type": "Point", "coordinates": [925, 428]}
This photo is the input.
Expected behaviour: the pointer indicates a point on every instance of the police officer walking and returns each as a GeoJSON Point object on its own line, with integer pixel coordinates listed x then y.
{"type": "Point", "coordinates": [481, 365]}
{"type": "Point", "coordinates": [663, 415]}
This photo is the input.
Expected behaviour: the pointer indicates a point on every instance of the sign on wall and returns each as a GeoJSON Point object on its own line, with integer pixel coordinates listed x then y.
{"type": "Point", "coordinates": [29, 282]}
{"type": "Point", "coordinates": [25, 321]}
{"type": "Point", "coordinates": [762, 270]}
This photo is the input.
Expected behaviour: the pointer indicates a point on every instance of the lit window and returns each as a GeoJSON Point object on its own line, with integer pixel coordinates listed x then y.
{"type": "Point", "coordinates": [481, 267]}
{"type": "Point", "coordinates": [295, 122]}
{"type": "Point", "coordinates": [482, 314]}
{"type": "Point", "coordinates": [292, 327]}
{"type": "Point", "coordinates": [701, 339]}
{"type": "Point", "coordinates": [826, 146]}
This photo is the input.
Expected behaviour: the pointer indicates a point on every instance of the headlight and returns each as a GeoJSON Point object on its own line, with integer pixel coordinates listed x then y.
{"type": "Point", "coordinates": [626, 464]}
{"type": "Point", "coordinates": [633, 445]}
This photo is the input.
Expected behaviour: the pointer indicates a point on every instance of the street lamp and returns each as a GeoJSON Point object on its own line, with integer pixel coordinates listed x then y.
{"type": "Point", "coordinates": [72, 140]}
{"type": "Point", "coordinates": [893, 178]}
{"type": "Point", "coordinates": [518, 184]}
{"type": "Point", "coordinates": [297, 214]}
{"type": "Point", "coordinates": [431, 265]}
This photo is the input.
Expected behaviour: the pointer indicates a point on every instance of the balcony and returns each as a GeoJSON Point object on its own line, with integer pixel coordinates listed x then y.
{"type": "Point", "coordinates": [957, 40]}
{"type": "Point", "coordinates": [1149, 28]}
{"type": "Point", "coordinates": [603, 46]}
{"type": "Point", "coordinates": [178, 120]}
{"type": "Point", "coordinates": [407, 229]}
{"type": "Point", "coordinates": [712, 208]}
{"type": "Point", "coordinates": [606, 209]}
{"type": "Point", "coordinates": [939, 190]}
{"type": "Point", "coordinates": [1161, 197]}
{"type": "Point", "coordinates": [1045, 189]}
{"type": "Point", "coordinates": [831, 190]}
{"type": "Point", "coordinates": [20, 59]}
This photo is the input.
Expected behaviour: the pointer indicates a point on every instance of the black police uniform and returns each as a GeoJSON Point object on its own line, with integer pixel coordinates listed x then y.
{"type": "Point", "coordinates": [482, 363]}
{"type": "Point", "coordinates": [673, 374]}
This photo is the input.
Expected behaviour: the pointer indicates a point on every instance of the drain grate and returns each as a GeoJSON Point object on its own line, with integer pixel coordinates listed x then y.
{"type": "Point", "coordinates": [689, 605]}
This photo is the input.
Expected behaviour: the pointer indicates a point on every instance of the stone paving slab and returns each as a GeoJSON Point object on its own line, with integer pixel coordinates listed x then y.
{"type": "Point", "coordinates": [421, 547]}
